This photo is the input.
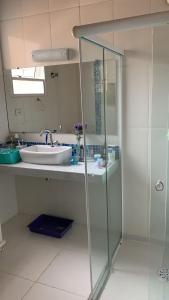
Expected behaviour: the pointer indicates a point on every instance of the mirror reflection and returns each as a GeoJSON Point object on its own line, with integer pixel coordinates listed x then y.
{"type": "Point", "coordinates": [43, 97]}
{"type": "Point", "coordinates": [48, 97]}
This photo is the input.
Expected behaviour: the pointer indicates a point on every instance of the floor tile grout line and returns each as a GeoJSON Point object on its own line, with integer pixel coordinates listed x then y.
{"type": "Point", "coordinates": [39, 282]}
{"type": "Point", "coordinates": [33, 283]}
{"type": "Point", "coordinates": [45, 269]}
{"type": "Point", "coordinates": [22, 298]}
{"type": "Point", "coordinates": [31, 280]}
{"type": "Point", "coordinates": [61, 290]}
{"type": "Point", "coordinates": [61, 248]}
{"type": "Point", "coordinates": [18, 276]}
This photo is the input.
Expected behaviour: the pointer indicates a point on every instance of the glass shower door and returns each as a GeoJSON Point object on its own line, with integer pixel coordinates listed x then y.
{"type": "Point", "coordinates": [93, 103]}
{"type": "Point", "coordinates": [159, 215]}
{"type": "Point", "coordinates": [100, 76]}
{"type": "Point", "coordinates": [113, 93]}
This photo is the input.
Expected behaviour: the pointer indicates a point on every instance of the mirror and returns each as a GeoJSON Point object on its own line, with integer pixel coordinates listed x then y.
{"type": "Point", "coordinates": [48, 97]}
{"type": "Point", "coordinates": [43, 97]}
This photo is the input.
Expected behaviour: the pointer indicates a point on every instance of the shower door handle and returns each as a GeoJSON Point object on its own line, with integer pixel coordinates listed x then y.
{"type": "Point", "coordinates": [159, 186]}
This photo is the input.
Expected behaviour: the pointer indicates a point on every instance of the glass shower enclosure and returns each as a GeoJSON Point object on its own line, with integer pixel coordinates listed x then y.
{"type": "Point", "coordinates": [159, 216]}
{"type": "Point", "coordinates": [101, 88]}
{"type": "Point", "coordinates": [101, 79]}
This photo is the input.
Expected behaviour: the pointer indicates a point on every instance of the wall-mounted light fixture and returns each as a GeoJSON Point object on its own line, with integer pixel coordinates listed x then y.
{"type": "Point", "coordinates": [60, 54]}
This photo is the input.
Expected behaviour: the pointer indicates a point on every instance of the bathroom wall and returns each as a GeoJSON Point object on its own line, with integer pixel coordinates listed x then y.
{"type": "Point", "coordinates": [8, 204]}
{"type": "Point", "coordinates": [3, 113]}
{"type": "Point", "coordinates": [56, 197]}
{"type": "Point", "coordinates": [21, 20]}
{"type": "Point", "coordinates": [159, 132]}
{"type": "Point", "coordinates": [137, 120]}
{"type": "Point", "coordinates": [20, 23]}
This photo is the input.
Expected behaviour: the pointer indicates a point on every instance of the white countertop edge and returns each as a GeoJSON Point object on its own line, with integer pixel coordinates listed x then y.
{"type": "Point", "coordinates": [72, 172]}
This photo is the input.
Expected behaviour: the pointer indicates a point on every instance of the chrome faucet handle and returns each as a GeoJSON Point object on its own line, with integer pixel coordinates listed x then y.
{"type": "Point", "coordinates": [56, 143]}
{"type": "Point", "coordinates": [60, 128]}
{"type": "Point", "coordinates": [43, 131]}
{"type": "Point", "coordinates": [47, 132]}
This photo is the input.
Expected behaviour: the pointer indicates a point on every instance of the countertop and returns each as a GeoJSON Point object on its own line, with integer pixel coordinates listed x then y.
{"type": "Point", "coordinates": [68, 172]}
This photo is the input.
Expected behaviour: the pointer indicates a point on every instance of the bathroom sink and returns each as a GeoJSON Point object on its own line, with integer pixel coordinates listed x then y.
{"type": "Point", "coordinates": [46, 155]}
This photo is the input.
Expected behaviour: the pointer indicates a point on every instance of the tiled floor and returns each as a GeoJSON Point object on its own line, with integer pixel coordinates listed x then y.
{"type": "Point", "coordinates": [134, 273]}
{"type": "Point", "coordinates": [35, 267]}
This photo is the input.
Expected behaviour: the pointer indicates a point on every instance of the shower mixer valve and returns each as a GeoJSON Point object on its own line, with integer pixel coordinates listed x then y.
{"type": "Point", "coordinates": [159, 186]}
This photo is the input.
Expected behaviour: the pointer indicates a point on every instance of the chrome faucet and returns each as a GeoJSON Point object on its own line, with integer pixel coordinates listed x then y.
{"type": "Point", "coordinates": [48, 133]}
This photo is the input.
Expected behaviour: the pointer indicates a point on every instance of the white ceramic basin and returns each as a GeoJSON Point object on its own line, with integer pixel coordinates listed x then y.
{"type": "Point", "coordinates": [46, 155]}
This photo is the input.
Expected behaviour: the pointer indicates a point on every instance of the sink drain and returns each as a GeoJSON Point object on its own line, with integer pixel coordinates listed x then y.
{"type": "Point", "coordinates": [164, 273]}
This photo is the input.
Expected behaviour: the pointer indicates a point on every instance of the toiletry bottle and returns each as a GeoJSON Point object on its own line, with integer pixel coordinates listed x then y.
{"type": "Point", "coordinates": [81, 153]}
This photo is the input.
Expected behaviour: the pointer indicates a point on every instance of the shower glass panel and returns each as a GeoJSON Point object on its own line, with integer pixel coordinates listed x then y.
{"type": "Point", "coordinates": [94, 120]}
{"type": "Point", "coordinates": [159, 217]}
{"type": "Point", "coordinates": [100, 83]}
{"type": "Point", "coordinates": [113, 91]}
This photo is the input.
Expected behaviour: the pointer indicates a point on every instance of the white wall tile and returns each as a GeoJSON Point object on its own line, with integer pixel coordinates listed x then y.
{"type": "Point", "coordinates": [35, 40]}
{"type": "Point", "coordinates": [128, 8]}
{"type": "Point", "coordinates": [63, 138]}
{"type": "Point", "coordinates": [159, 153]}
{"type": "Point", "coordinates": [136, 95]}
{"type": "Point", "coordinates": [137, 60]}
{"type": "Point", "coordinates": [33, 7]}
{"type": "Point", "coordinates": [86, 2]}
{"type": "Point", "coordinates": [96, 12]}
{"type": "Point", "coordinates": [12, 38]}
{"type": "Point", "coordinates": [137, 43]}
{"type": "Point", "coordinates": [135, 185]}
{"type": "Point", "coordinates": [4, 130]}
{"type": "Point", "coordinates": [160, 96]}
{"type": "Point", "coordinates": [64, 4]}
{"type": "Point", "coordinates": [159, 5]}
{"type": "Point", "coordinates": [62, 31]}
{"type": "Point", "coordinates": [10, 9]}
{"type": "Point", "coordinates": [160, 90]}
